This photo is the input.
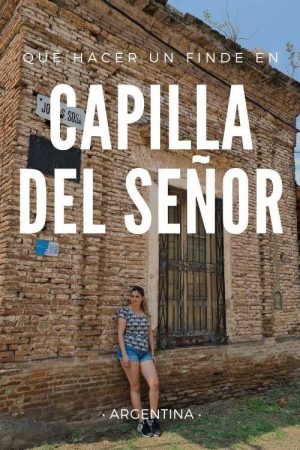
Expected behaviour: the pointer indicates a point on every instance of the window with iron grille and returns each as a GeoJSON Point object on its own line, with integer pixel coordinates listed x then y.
{"type": "Point", "coordinates": [191, 282]}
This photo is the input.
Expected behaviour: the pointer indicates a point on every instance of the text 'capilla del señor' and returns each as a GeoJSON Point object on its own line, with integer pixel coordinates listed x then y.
{"type": "Point", "coordinates": [127, 116]}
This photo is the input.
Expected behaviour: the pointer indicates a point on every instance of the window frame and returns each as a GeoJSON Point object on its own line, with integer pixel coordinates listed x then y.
{"type": "Point", "coordinates": [215, 333]}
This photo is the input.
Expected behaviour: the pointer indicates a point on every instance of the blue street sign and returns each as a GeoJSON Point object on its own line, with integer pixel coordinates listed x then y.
{"type": "Point", "coordinates": [46, 248]}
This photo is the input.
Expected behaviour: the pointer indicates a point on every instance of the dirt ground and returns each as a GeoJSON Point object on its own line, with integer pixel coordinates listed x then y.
{"type": "Point", "coordinates": [268, 421]}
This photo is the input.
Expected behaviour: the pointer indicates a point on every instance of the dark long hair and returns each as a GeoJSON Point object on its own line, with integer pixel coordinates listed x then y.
{"type": "Point", "coordinates": [144, 304]}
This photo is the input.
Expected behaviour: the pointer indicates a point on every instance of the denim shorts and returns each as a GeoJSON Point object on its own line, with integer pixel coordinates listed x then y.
{"type": "Point", "coordinates": [135, 354]}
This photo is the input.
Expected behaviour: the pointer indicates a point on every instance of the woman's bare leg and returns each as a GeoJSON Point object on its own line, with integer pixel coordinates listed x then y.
{"type": "Point", "coordinates": [133, 375]}
{"type": "Point", "coordinates": [149, 372]}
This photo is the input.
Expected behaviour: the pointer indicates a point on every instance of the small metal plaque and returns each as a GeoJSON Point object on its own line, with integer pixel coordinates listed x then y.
{"type": "Point", "coordinates": [46, 248]}
{"type": "Point", "coordinates": [73, 117]}
{"type": "Point", "coordinates": [43, 156]}
{"type": "Point", "coordinates": [277, 300]}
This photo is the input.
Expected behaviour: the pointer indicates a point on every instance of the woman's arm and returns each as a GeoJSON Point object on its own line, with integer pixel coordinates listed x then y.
{"type": "Point", "coordinates": [121, 331]}
{"type": "Point", "coordinates": [151, 338]}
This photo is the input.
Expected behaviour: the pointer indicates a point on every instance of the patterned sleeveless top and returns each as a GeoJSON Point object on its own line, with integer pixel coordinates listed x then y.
{"type": "Point", "coordinates": [136, 332]}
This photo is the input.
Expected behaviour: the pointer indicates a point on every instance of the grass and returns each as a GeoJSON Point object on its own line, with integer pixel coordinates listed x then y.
{"type": "Point", "coordinates": [266, 422]}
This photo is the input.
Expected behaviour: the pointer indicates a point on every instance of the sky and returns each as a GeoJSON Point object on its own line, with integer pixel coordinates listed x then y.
{"type": "Point", "coordinates": [265, 24]}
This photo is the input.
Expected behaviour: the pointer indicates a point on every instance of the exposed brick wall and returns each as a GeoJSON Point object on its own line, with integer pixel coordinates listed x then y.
{"type": "Point", "coordinates": [80, 389]}
{"type": "Point", "coordinates": [56, 311]}
{"type": "Point", "coordinates": [298, 210]}
{"type": "Point", "coordinates": [10, 96]}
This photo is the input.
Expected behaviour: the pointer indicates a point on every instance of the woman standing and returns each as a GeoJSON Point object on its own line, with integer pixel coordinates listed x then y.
{"type": "Point", "coordinates": [136, 354]}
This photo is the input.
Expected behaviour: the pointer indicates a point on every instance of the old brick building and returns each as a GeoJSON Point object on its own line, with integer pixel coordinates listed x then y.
{"type": "Point", "coordinates": [298, 211]}
{"type": "Point", "coordinates": [240, 326]}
